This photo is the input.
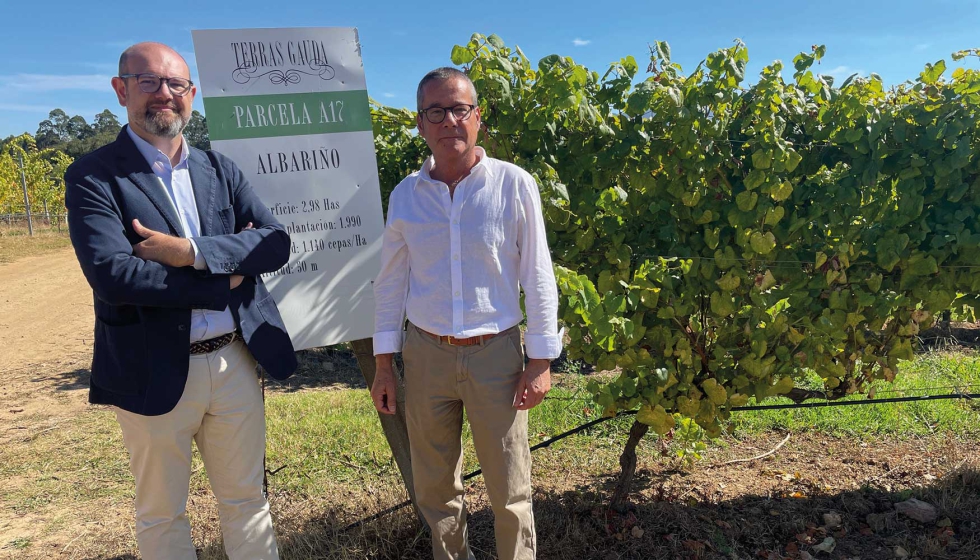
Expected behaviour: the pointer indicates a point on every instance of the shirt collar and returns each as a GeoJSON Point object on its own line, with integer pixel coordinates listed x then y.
{"type": "Point", "coordinates": [480, 165]}
{"type": "Point", "coordinates": [152, 155]}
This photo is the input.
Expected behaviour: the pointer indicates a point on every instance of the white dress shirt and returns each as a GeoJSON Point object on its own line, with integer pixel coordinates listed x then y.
{"type": "Point", "coordinates": [456, 265]}
{"type": "Point", "coordinates": [176, 182]}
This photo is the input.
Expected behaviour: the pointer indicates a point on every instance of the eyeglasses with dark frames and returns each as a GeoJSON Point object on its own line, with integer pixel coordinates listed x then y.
{"type": "Point", "coordinates": [150, 83]}
{"type": "Point", "coordinates": [436, 115]}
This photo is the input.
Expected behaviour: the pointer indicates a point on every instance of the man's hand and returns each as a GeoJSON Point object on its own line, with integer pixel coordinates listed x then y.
{"type": "Point", "coordinates": [534, 384]}
{"type": "Point", "coordinates": [383, 389]}
{"type": "Point", "coordinates": [162, 248]}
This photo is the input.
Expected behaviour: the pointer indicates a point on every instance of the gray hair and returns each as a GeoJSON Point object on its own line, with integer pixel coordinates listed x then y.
{"type": "Point", "coordinates": [441, 75]}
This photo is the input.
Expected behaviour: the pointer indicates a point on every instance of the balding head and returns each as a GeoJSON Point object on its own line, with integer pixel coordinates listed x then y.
{"type": "Point", "coordinates": [146, 51]}
{"type": "Point", "coordinates": [154, 113]}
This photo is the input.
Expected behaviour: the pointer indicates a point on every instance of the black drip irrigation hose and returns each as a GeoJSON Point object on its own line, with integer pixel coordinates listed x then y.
{"type": "Point", "coordinates": [587, 425]}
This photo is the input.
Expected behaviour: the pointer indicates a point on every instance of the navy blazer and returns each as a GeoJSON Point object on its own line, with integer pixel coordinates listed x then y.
{"type": "Point", "coordinates": [143, 308]}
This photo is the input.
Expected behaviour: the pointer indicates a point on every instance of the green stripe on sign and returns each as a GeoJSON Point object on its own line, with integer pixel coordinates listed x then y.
{"type": "Point", "coordinates": [291, 114]}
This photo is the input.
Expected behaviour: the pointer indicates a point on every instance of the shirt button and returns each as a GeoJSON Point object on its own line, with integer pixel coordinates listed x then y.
{"type": "Point", "coordinates": [181, 327]}
{"type": "Point", "coordinates": [457, 293]}
{"type": "Point", "coordinates": [455, 257]}
{"type": "Point", "coordinates": [456, 222]}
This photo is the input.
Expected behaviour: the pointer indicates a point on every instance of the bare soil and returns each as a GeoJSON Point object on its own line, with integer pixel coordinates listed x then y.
{"type": "Point", "coordinates": [771, 508]}
{"type": "Point", "coordinates": [46, 325]}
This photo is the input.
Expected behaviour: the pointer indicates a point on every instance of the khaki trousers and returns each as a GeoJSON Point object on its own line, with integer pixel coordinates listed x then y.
{"type": "Point", "coordinates": [221, 409]}
{"type": "Point", "coordinates": [440, 381]}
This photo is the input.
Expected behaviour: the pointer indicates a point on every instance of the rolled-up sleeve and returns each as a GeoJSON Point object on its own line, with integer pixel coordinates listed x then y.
{"type": "Point", "coordinates": [391, 289]}
{"type": "Point", "coordinates": [542, 340]}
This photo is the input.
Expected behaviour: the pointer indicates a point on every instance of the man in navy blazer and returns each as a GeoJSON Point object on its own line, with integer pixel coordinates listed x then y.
{"type": "Point", "coordinates": [173, 242]}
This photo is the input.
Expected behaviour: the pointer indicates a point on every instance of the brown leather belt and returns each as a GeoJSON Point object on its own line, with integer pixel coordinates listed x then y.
{"type": "Point", "coordinates": [453, 341]}
{"type": "Point", "coordinates": [212, 344]}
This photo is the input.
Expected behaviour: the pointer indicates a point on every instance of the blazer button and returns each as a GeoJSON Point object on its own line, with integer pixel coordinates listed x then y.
{"type": "Point", "coordinates": [181, 327]}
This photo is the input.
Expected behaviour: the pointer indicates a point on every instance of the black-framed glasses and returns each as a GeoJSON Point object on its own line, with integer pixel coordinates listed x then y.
{"type": "Point", "coordinates": [150, 83]}
{"type": "Point", "coordinates": [436, 115]}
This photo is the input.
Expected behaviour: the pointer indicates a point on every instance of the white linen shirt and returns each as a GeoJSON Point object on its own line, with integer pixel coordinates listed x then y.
{"type": "Point", "coordinates": [175, 180]}
{"type": "Point", "coordinates": [456, 265]}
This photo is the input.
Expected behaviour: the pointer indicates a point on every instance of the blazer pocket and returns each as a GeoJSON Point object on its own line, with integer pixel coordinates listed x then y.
{"type": "Point", "coordinates": [119, 364]}
{"type": "Point", "coordinates": [227, 217]}
{"type": "Point", "coordinates": [269, 310]}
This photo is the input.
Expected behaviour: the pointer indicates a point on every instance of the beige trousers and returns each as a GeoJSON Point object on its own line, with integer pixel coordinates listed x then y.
{"type": "Point", "coordinates": [440, 381]}
{"type": "Point", "coordinates": [221, 409]}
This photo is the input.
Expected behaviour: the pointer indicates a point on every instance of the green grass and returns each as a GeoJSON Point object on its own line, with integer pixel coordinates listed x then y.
{"type": "Point", "coordinates": [335, 436]}
{"type": "Point", "coordinates": [75, 461]}
{"type": "Point", "coordinates": [16, 244]}
{"type": "Point", "coordinates": [338, 465]}
{"type": "Point", "coordinates": [929, 374]}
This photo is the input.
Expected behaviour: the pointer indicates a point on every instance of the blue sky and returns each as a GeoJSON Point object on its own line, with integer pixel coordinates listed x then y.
{"type": "Point", "coordinates": [61, 54]}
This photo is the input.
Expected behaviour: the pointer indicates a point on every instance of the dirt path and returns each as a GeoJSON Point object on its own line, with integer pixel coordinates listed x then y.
{"type": "Point", "coordinates": [46, 323]}
{"type": "Point", "coordinates": [45, 311]}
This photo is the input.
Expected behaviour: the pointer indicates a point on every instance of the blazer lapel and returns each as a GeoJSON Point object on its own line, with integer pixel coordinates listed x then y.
{"type": "Point", "coordinates": [203, 181]}
{"type": "Point", "coordinates": [135, 167]}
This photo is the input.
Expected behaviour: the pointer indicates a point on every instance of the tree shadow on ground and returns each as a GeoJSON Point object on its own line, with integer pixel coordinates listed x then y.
{"type": "Point", "coordinates": [683, 524]}
{"type": "Point", "coordinates": [329, 367]}
{"type": "Point", "coordinates": [75, 379]}
{"type": "Point", "coordinates": [677, 523]}
{"type": "Point", "coordinates": [574, 523]}
{"type": "Point", "coordinates": [945, 336]}
{"type": "Point", "coordinates": [319, 368]}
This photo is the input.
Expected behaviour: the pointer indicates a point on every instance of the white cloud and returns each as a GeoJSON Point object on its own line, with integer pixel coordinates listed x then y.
{"type": "Point", "coordinates": [23, 108]}
{"type": "Point", "coordinates": [581, 42]}
{"type": "Point", "coordinates": [842, 73]}
{"type": "Point", "coordinates": [102, 66]}
{"type": "Point", "coordinates": [36, 83]}
{"type": "Point", "coordinates": [45, 109]}
{"type": "Point", "coordinates": [388, 95]}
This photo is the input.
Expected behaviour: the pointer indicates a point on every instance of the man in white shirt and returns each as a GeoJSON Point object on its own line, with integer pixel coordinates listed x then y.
{"type": "Point", "coordinates": [463, 236]}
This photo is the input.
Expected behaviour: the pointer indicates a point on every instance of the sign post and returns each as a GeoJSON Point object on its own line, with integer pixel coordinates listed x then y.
{"type": "Point", "coordinates": [290, 107]}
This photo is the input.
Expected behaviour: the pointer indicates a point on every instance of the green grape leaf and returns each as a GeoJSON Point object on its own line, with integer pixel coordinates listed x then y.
{"type": "Point", "coordinates": [922, 265]}
{"type": "Point", "coordinates": [783, 386]}
{"type": "Point", "coordinates": [461, 55]}
{"type": "Point", "coordinates": [782, 191]}
{"type": "Point", "coordinates": [762, 244]}
{"type": "Point", "coordinates": [775, 215]}
{"type": "Point", "coordinates": [715, 392]}
{"type": "Point", "coordinates": [755, 179]}
{"type": "Point", "coordinates": [722, 304]}
{"type": "Point", "coordinates": [657, 418]}
{"type": "Point", "coordinates": [746, 200]}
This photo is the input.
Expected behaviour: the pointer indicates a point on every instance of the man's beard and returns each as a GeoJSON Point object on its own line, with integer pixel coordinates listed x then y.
{"type": "Point", "coordinates": [158, 124]}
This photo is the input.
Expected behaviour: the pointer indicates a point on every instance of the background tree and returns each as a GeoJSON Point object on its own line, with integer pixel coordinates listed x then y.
{"type": "Point", "coordinates": [53, 131]}
{"type": "Point", "coordinates": [106, 123]}
{"type": "Point", "coordinates": [43, 172]}
{"type": "Point", "coordinates": [398, 149]}
{"type": "Point", "coordinates": [196, 132]}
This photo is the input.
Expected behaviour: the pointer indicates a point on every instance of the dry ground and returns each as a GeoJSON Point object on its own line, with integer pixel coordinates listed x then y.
{"type": "Point", "coordinates": [55, 504]}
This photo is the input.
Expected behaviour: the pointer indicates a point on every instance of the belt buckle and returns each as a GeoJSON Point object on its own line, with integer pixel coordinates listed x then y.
{"type": "Point", "coordinates": [449, 340]}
